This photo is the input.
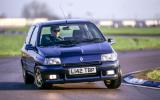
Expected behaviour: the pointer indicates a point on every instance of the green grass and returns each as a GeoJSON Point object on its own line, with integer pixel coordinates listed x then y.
{"type": "Point", "coordinates": [129, 30]}
{"type": "Point", "coordinates": [124, 44]}
{"type": "Point", "coordinates": [10, 45]}
{"type": "Point", "coordinates": [22, 29]}
{"type": "Point", "coordinates": [154, 75]}
{"type": "Point", "coordinates": [151, 74]}
{"type": "Point", "coordinates": [105, 30]}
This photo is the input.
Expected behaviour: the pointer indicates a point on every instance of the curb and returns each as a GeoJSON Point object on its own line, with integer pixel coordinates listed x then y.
{"type": "Point", "coordinates": [130, 79]}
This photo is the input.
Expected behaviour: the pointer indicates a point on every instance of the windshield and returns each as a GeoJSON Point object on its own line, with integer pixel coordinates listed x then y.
{"type": "Point", "coordinates": [69, 34]}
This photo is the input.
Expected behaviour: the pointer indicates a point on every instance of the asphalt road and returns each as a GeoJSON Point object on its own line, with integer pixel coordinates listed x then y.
{"type": "Point", "coordinates": [13, 88]}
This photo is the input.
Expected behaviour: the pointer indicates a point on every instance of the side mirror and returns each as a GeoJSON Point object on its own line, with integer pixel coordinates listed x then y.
{"type": "Point", "coordinates": [29, 47]}
{"type": "Point", "coordinates": [111, 41]}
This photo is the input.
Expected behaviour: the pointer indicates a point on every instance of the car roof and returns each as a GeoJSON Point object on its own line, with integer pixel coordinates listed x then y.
{"type": "Point", "coordinates": [68, 21]}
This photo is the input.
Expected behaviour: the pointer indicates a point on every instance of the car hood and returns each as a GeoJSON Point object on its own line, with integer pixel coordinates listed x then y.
{"type": "Point", "coordinates": [88, 51]}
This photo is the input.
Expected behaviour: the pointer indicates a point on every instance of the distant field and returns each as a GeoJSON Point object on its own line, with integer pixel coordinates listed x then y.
{"type": "Point", "coordinates": [125, 44]}
{"type": "Point", "coordinates": [105, 30]}
{"type": "Point", "coordinates": [10, 45]}
{"type": "Point", "coordinates": [129, 30]}
{"type": "Point", "coordinates": [12, 30]}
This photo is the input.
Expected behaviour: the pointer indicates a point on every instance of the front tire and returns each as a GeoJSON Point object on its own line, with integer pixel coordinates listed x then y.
{"type": "Point", "coordinates": [114, 84]}
{"type": "Point", "coordinates": [28, 79]}
{"type": "Point", "coordinates": [39, 81]}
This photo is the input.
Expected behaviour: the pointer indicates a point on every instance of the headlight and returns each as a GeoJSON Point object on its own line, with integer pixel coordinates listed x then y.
{"type": "Point", "coordinates": [109, 57]}
{"type": "Point", "coordinates": [52, 61]}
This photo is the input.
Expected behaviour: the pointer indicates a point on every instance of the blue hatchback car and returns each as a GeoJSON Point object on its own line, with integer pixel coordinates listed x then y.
{"type": "Point", "coordinates": [67, 51]}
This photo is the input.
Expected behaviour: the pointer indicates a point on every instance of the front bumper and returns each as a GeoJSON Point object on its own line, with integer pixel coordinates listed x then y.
{"type": "Point", "coordinates": [64, 77]}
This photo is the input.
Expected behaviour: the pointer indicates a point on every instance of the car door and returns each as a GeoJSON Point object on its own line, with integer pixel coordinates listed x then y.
{"type": "Point", "coordinates": [24, 51]}
{"type": "Point", "coordinates": [31, 54]}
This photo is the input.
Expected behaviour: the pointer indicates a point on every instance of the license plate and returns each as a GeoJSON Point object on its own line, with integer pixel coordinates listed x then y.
{"type": "Point", "coordinates": [84, 70]}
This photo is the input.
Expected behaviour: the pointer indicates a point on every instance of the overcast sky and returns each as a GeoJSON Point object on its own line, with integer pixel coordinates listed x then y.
{"type": "Point", "coordinates": [98, 9]}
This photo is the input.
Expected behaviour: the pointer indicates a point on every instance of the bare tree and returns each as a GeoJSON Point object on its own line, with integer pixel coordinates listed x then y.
{"type": "Point", "coordinates": [35, 9]}
{"type": "Point", "coordinates": [2, 15]}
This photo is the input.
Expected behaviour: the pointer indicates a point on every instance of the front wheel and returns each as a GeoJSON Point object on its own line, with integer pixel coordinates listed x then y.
{"type": "Point", "coordinates": [28, 79]}
{"type": "Point", "coordinates": [114, 84]}
{"type": "Point", "coordinates": [39, 81]}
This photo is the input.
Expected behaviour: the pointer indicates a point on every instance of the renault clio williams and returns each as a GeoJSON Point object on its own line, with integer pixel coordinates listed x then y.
{"type": "Point", "coordinates": [68, 51]}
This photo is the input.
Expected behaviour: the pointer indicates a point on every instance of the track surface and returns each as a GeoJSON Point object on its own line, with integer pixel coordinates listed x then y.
{"type": "Point", "coordinates": [13, 88]}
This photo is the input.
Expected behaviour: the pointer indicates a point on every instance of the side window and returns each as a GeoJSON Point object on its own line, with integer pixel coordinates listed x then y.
{"type": "Point", "coordinates": [46, 30]}
{"type": "Point", "coordinates": [34, 37]}
{"type": "Point", "coordinates": [29, 34]}
{"type": "Point", "coordinates": [95, 33]}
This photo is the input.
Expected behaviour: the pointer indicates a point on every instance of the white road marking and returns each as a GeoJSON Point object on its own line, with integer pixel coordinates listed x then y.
{"type": "Point", "coordinates": [141, 86]}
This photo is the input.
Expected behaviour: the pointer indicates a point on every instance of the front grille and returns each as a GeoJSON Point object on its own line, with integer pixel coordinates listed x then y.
{"type": "Point", "coordinates": [83, 64]}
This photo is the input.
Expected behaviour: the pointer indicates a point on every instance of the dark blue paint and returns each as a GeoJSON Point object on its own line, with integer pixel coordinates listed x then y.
{"type": "Point", "coordinates": [90, 52]}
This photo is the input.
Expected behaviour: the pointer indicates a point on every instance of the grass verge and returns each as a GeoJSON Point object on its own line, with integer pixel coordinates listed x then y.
{"type": "Point", "coordinates": [154, 75]}
{"type": "Point", "coordinates": [125, 44]}
{"type": "Point", "coordinates": [111, 30]}
{"type": "Point", "coordinates": [151, 75]}
{"type": "Point", "coordinates": [10, 45]}
{"type": "Point", "coordinates": [130, 30]}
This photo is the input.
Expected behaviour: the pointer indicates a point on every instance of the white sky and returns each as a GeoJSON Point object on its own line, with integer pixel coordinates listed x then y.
{"type": "Point", "coordinates": [99, 9]}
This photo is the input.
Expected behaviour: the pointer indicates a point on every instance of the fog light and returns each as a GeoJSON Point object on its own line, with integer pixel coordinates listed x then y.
{"type": "Point", "coordinates": [110, 72]}
{"type": "Point", "coordinates": [52, 77]}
